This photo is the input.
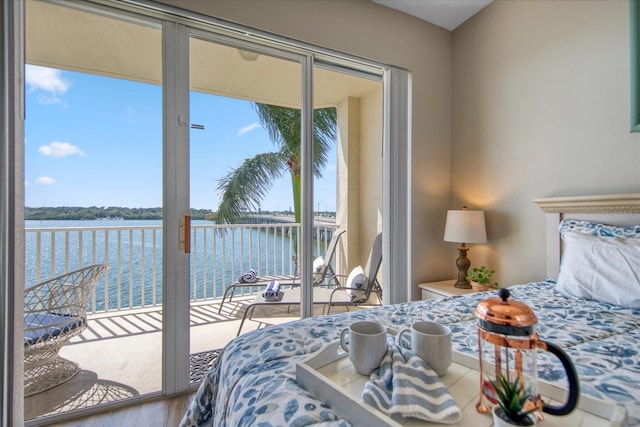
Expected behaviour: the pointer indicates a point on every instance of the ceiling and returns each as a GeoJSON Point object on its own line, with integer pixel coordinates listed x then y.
{"type": "Point", "coordinates": [110, 47]}
{"type": "Point", "coordinates": [443, 13]}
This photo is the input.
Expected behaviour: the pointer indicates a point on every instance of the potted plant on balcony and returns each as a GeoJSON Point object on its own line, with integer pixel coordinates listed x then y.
{"type": "Point", "coordinates": [480, 278]}
{"type": "Point", "coordinates": [513, 403]}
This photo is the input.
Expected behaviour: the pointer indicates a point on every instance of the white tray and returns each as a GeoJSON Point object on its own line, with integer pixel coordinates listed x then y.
{"type": "Point", "coordinates": [317, 375]}
{"type": "Point", "coordinates": [330, 377]}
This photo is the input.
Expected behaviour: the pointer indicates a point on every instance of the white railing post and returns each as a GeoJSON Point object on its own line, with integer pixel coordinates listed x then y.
{"type": "Point", "coordinates": [137, 266]}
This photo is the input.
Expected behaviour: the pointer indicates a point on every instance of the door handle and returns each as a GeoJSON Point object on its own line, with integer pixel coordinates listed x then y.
{"type": "Point", "coordinates": [185, 234]}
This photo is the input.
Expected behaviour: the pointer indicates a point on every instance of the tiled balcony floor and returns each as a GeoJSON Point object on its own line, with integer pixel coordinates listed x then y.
{"type": "Point", "coordinates": [120, 353]}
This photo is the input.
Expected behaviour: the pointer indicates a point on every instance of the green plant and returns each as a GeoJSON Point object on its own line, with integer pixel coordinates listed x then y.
{"type": "Point", "coordinates": [512, 398]}
{"type": "Point", "coordinates": [244, 187]}
{"type": "Point", "coordinates": [481, 275]}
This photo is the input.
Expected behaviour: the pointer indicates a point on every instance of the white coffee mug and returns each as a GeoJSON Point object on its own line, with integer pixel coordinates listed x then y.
{"type": "Point", "coordinates": [431, 341]}
{"type": "Point", "coordinates": [367, 345]}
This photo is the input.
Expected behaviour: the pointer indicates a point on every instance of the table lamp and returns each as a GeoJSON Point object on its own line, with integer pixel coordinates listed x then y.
{"type": "Point", "coordinates": [464, 226]}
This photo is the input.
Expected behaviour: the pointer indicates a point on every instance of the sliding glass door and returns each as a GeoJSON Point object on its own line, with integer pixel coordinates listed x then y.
{"type": "Point", "coordinates": [349, 191]}
{"type": "Point", "coordinates": [186, 157]}
{"type": "Point", "coordinates": [93, 194]}
{"type": "Point", "coordinates": [244, 181]}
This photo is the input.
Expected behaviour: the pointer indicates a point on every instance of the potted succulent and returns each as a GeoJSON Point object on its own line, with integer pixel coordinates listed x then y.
{"type": "Point", "coordinates": [514, 404]}
{"type": "Point", "coordinates": [480, 278]}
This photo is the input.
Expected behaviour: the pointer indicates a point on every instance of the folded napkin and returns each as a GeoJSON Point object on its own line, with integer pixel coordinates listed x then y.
{"type": "Point", "coordinates": [272, 292]}
{"type": "Point", "coordinates": [248, 276]}
{"type": "Point", "coordinates": [405, 385]}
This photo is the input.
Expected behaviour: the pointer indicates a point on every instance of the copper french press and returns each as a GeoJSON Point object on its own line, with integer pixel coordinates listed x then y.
{"type": "Point", "coordinates": [507, 345]}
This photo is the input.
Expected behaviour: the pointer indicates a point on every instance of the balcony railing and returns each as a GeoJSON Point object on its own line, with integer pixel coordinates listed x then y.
{"type": "Point", "coordinates": [219, 255]}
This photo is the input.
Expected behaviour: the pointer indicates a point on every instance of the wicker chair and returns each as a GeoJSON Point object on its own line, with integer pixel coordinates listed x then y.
{"type": "Point", "coordinates": [55, 311]}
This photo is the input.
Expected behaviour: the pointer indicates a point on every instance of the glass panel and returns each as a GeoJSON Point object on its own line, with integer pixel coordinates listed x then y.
{"type": "Point", "coordinates": [244, 154]}
{"type": "Point", "coordinates": [93, 171]}
{"type": "Point", "coordinates": [348, 195]}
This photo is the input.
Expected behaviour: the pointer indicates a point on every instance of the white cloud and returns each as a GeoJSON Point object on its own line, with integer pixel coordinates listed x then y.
{"type": "Point", "coordinates": [50, 100]}
{"type": "Point", "coordinates": [331, 168]}
{"type": "Point", "coordinates": [45, 180]}
{"type": "Point", "coordinates": [249, 128]}
{"type": "Point", "coordinates": [47, 79]}
{"type": "Point", "coordinates": [26, 183]}
{"type": "Point", "coordinates": [60, 149]}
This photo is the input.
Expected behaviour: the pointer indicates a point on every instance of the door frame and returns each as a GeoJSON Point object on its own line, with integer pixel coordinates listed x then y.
{"type": "Point", "coordinates": [12, 213]}
{"type": "Point", "coordinates": [175, 176]}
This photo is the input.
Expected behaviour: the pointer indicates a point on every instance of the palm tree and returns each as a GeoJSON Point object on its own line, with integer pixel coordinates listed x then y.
{"type": "Point", "coordinates": [244, 187]}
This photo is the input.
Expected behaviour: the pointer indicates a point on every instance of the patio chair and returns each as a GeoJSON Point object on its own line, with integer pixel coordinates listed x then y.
{"type": "Point", "coordinates": [55, 311]}
{"type": "Point", "coordinates": [325, 275]}
{"type": "Point", "coordinates": [340, 296]}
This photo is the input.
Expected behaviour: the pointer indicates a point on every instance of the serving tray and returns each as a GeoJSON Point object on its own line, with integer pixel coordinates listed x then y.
{"type": "Point", "coordinates": [330, 377]}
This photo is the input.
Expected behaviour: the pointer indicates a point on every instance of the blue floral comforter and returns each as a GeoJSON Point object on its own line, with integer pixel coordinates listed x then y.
{"type": "Point", "coordinates": [253, 383]}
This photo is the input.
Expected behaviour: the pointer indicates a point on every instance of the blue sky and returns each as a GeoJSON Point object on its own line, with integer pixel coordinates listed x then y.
{"type": "Point", "coordinates": [97, 141]}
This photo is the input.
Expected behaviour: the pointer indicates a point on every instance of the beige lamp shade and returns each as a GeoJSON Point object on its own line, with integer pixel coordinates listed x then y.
{"type": "Point", "coordinates": [465, 226]}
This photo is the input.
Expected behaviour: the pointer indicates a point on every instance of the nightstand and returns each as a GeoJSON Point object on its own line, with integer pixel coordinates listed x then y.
{"type": "Point", "coordinates": [444, 288]}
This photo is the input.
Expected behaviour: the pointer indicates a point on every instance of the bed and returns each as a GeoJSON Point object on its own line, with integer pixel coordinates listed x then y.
{"type": "Point", "coordinates": [254, 381]}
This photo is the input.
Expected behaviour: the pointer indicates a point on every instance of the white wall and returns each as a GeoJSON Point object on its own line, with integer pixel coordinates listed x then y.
{"type": "Point", "coordinates": [540, 108]}
{"type": "Point", "coordinates": [366, 29]}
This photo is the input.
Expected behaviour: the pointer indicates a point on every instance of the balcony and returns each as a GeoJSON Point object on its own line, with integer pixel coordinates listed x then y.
{"type": "Point", "coordinates": [120, 352]}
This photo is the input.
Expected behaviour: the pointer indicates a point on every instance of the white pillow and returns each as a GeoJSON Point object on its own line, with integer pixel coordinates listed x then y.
{"type": "Point", "coordinates": [356, 280]}
{"type": "Point", "coordinates": [318, 263]}
{"type": "Point", "coordinates": [605, 269]}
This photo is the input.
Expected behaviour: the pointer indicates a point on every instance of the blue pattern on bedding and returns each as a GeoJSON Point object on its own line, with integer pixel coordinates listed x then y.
{"type": "Point", "coordinates": [598, 229]}
{"type": "Point", "coordinates": [253, 382]}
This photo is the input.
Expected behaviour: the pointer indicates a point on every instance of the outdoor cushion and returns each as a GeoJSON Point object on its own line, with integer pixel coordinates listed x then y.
{"type": "Point", "coordinates": [318, 263]}
{"type": "Point", "coordinates": [43, 326]}
{"type": "Point", "coordinates": [356, 283]}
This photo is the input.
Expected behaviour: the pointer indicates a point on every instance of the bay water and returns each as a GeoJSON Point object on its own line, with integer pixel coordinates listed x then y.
{"type": "Point", "coordinates": [133, 250]}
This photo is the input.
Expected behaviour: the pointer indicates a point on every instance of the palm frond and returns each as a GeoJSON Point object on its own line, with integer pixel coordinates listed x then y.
{"type": "Point", "coordinates": [244, 187]}
{"type": "Point", "coordinates": [324, 137]}
{"type": "Point", "coordinates": [283, 126]}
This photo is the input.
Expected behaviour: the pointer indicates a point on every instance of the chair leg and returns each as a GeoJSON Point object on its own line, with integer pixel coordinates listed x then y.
{"type": "Point", "coordinates": [248, 312]}
{"type": "Point", "coordinates": [226, 291]}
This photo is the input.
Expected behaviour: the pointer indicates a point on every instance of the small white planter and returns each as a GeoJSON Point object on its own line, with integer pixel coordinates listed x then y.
{"type": "Point", "coordinates": [499, 422]}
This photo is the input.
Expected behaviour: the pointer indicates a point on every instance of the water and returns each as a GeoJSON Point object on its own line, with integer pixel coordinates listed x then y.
{"type": "Point", "coordinates": [133, 249]}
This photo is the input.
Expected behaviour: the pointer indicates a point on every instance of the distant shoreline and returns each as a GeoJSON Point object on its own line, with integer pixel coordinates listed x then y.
{"type": "Point", "coordinates": [92, 213]}
{"type": "Point", "coordinates": [73, 213]}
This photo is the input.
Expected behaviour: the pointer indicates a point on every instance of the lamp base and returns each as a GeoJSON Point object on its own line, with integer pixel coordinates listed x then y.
{"type": "Point", "coordinates": [462, 284]}
{"type": "Point", "coordinates": [463, 264]}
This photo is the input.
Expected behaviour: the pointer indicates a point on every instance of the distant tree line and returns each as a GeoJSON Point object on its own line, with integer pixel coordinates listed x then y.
{"type": "Point", "coordinates": [94, 212]}
{"type": "Point", "coordinates": [77, 213]}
